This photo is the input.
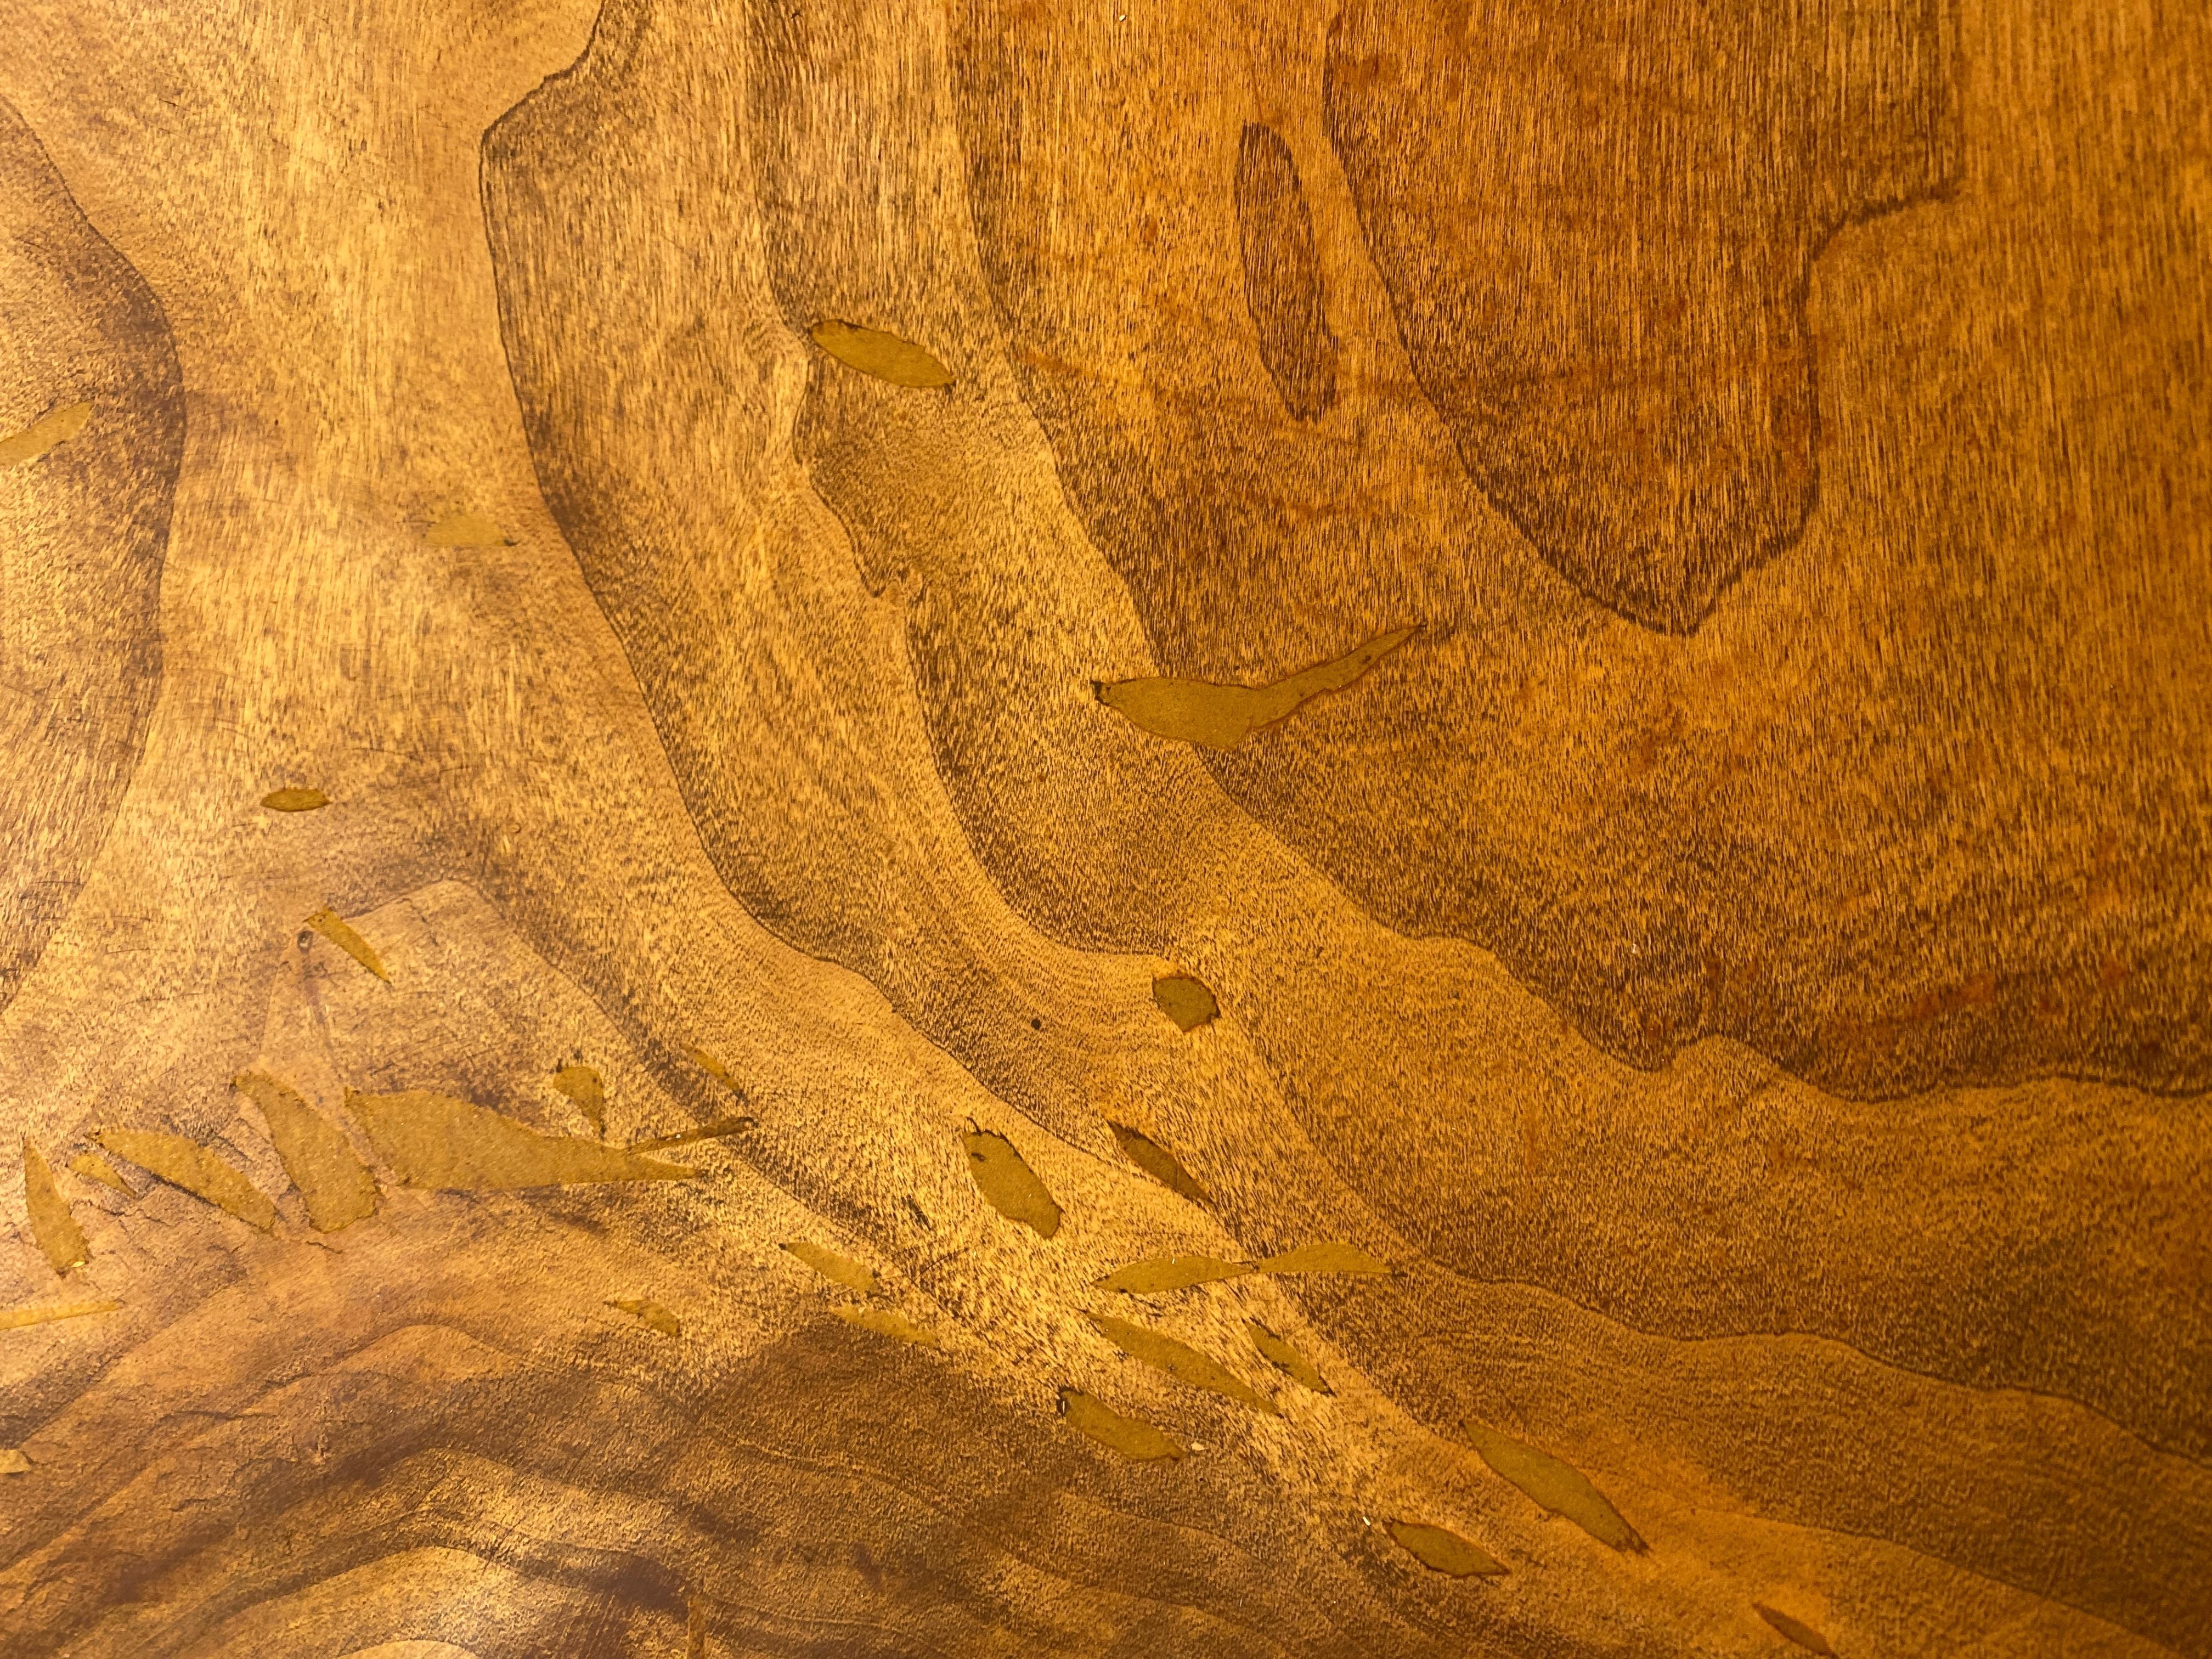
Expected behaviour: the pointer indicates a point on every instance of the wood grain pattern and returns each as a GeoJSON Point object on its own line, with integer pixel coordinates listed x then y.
{"type": "Point", "coordinates": [84, 351]}
{"type": "Point", "coordinates": [735, 1107]}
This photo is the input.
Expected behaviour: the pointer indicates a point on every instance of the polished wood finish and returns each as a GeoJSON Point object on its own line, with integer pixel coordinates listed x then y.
{"type": "Point", "coordinates": [609, 921]}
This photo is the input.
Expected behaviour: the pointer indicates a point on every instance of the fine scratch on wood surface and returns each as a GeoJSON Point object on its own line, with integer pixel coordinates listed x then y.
{"type": "Point", "coordinates": [14, 1319]}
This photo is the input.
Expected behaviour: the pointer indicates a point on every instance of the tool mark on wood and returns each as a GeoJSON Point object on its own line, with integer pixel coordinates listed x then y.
{"type": "Point", "coordinates": [1006, 1178]}
{"type": "Point", "coordinates": [1223, 716]}
{"type": "Point", "coordinates": [332, 927]}
{"type": "Point", "coordinates": [1170, 1272]}
{"type": "Point", "coordinates": [1285, 1358]}
{"type": "Point", "coordinates": [1557, 1487]}
{"type": "Point", "coordinates": [1131, 1437]}
{"type": "Point", "coordinates": [294, 800]}
{"type": "Point", "coordinates": [437, 1141]}
{"type": "Point", "coordinates": [187, 1164]}
{"type": "Point", "coordinates": [837, 1268]}
{"type": "Point", "coordinates": [886, 356]}
{"type": "Point", "coordinates": [1180, 1361]}
{"type": "Point", "coordinates": [44, 433]}
{"type": "Point", "coordinates": [51, 1224]}
{"type": "Point", "coordinates": [334, 1184]}
{"type": "Point", "coordinates": [648, 1312]}
{"type": "Point", "coordinates": [1156, 1161]}
{"type": "Point", "coordinates": [1441, 1550]}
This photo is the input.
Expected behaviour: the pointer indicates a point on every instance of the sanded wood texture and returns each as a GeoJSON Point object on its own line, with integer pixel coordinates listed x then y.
{"type": "Point", "coordinates": [1330, 830]}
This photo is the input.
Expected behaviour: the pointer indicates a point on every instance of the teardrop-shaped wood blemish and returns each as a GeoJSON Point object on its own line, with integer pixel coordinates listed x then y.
{"type": "Point", "coordinates": [1557, 1487]}
{"type": "Point", "coordinates": [333, 926]}
{"type": "Point", "coordinates": [1330, 1257]}
{"type": "Point", "coordinates": [837, 1268]}
{"type": "Point", "coordinates": [1180, 1361]}
{"type": "Point", "coordinates": [1285, 1358]}
{"type": "Point", "coordinates": [16, 1319]}
{"type": "Point", "coordinates": [1442, 1549]}
{"type": "Point", "coordinates": [59, 1237]}
{"type": "Point", "coordinates": [711, 1063]}
{"type": "Point", "coordinates": [1185, 1000]}
{"type": "Point", "coordinates": [1223, 716]}
{"type": "Point", "coordinates": [1005, 1178]}
{"type": "Point", "coordinates": [1135, 1439]}
{"type": "Point", "coordinates": [648, 1313]}
{"type": "Point", "coordinates": [93, 1167]}
{"type": "Point", "coordinates": [888, 1321]}
{"type": "Point", "coordinates": [465, 529]}
{"type": "Point", "coordinates": [194, 1169]}
{"type": "Point", "coordinates": [437, 1141]}
{"type": "Point", "coordinates": [1156, 1161]}
{"type": "Point", "coordinates": [583, 1084]}
{"type": "Point", "coordinates": [334, 1184]}
{"type": "Point", "coordinates": [886, 356]}
{"type": "Point", "coordinates": [46, 433]}
{"type": "Point", "coordinates": [1170, 1272]}
{"type": "Point", "coordinates": [1796, 1630]}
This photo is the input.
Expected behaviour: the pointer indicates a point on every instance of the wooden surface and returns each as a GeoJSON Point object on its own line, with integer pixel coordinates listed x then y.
{"type": "Point", "coordinates": [1742, 963]}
